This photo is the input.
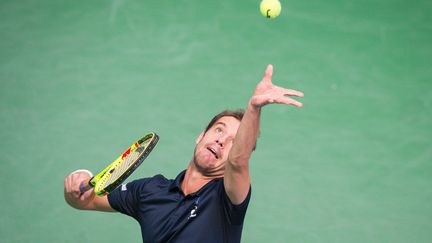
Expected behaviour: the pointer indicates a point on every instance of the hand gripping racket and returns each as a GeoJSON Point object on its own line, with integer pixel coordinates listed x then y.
{"type": "Point", "coordinates": [112, 176]}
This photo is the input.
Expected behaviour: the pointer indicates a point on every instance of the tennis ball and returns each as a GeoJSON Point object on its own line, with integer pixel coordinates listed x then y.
{"type": "Point", "coordinates": [270, 8]}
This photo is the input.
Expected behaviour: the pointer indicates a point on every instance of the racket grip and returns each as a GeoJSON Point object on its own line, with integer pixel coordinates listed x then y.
{"type": "Point", "coordinates": [85, 186]}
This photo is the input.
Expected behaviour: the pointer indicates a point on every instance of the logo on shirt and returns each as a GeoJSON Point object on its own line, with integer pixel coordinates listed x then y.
{"type": "Point", "coordinates": [194, 211]}
{"type": "Point", "coordinates": [123, 187]}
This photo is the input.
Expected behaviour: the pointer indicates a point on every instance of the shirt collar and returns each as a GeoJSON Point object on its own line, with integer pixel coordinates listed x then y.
{"type": "Point", "coordinates": [175, 184]}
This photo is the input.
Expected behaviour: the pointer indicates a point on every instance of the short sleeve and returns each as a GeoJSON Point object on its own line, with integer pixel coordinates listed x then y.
{"type": "Point", "coordinates": [125, 199]}
{"type": "Point", "coordinates": [235, 213]}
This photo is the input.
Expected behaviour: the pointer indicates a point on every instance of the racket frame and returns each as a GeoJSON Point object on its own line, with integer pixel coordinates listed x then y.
{"type": "Point", "coordinates": [98, 180]}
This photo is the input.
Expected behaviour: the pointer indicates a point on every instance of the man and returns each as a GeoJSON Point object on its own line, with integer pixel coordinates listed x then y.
{"type": "Point", "coordinates": [207, 202]}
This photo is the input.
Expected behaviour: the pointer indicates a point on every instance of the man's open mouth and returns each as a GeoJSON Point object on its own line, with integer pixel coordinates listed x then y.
{"type": "Point", "coordinates": [213, 151]}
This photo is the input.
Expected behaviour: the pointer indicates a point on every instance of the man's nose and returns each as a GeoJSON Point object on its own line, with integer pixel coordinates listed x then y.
{"type": "Point", "coordinates": [221, 141]}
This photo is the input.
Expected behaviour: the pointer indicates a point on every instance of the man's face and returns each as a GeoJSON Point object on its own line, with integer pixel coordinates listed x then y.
{"type": "Point", "coordinates": [212, 147]}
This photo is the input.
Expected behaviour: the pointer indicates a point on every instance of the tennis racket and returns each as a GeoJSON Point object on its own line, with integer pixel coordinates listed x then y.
{"type": "Point", "coordinates": [114, 174]}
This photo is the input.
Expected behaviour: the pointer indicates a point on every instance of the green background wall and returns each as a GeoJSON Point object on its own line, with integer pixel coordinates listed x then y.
{"type": "Point", "coordinates": [80, 80]}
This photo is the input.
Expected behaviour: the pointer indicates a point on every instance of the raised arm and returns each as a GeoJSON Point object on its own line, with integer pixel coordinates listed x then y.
{"type": "Point", "coordinates": [87, 200]}
{"type": "Point", "coordinates": [237, 178]}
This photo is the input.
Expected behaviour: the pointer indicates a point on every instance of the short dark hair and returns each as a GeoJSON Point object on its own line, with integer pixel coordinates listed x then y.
{"type": "Point", "coordinates": [238, 114]}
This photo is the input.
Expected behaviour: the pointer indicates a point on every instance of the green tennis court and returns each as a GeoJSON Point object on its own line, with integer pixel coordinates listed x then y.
{"type": "Point", "coordinates": [80, 80]}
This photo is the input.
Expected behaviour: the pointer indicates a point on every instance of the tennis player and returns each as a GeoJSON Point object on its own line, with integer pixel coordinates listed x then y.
{"type": "Point", "coordinates": [207, 202]}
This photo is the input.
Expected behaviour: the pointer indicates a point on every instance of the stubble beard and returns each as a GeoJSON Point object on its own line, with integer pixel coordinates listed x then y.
{"type": "Point", "coordinates": [197, 164]}
{"type": "Point", "coordinates": [205, 170]}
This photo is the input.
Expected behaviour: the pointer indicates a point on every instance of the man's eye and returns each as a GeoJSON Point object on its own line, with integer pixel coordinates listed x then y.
{"type": "Point", "coordinates": [218, 130]}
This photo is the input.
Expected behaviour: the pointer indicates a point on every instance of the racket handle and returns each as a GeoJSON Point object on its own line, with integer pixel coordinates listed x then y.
{"type": "Point", "coordinates": [85, 186]}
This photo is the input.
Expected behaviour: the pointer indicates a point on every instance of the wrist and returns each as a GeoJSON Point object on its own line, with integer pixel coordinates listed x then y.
{"type": "Point", "coordinates": [253, 107]}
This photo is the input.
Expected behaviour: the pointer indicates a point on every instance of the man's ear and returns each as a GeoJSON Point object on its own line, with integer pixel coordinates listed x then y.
{"type": "Point", "coordinates": [199, 138]}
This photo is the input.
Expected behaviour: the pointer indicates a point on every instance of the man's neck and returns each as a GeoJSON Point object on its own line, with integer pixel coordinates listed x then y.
{"type": "Point", "coordinates": [194, 180]}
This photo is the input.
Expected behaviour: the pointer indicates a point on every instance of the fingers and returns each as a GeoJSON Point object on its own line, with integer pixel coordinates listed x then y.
{"type": "Point", "coordinates": [268, 93]}
{"type": "Point", "coordinates": [268, 78]}
{"type": "Point", "coordinates": [268, 73]}
{"type": "Point", "coordinates": [85, 195]}
{"type": "Point", "coordinates": [285, 93]}
{"type": "Point", "coordinates": [292, 92]}
{"type": "Point", "coordinates": [288, 92]}
{"type": "Point", "coordinates": [262, 100]}
{"type": "Point", "coordinates": [82, 196]}
{"type": "Point", "coordinates": [75, 182]}
{"type": "Point", "coordinates": [67, 184]}
{"type": "Point", "coordinates": [72, 184]}
{"type": "Point", "coordinates": [284, 100]}
{"type": "Point", "coordinates": [290, 101]}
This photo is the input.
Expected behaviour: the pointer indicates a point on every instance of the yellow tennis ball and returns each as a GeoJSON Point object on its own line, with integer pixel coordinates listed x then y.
{"type": "Point", "coordinates": [270, 8]}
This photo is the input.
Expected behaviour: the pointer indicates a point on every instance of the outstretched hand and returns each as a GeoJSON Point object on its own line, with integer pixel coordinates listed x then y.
{"type": "Point", "coordinates": [268, 93]}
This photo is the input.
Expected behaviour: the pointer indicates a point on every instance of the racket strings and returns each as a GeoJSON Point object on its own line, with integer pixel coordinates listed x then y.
{"type": "Point", "coordinates": [125, 164]}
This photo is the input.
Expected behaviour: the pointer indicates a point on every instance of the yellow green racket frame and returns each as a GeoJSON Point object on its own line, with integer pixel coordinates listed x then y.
{"type": "Point", "coordinates": [99, 182]}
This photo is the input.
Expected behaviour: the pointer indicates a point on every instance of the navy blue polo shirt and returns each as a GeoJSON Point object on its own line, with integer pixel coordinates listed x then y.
{"type": "Point", "coordinates": [165, 214]}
